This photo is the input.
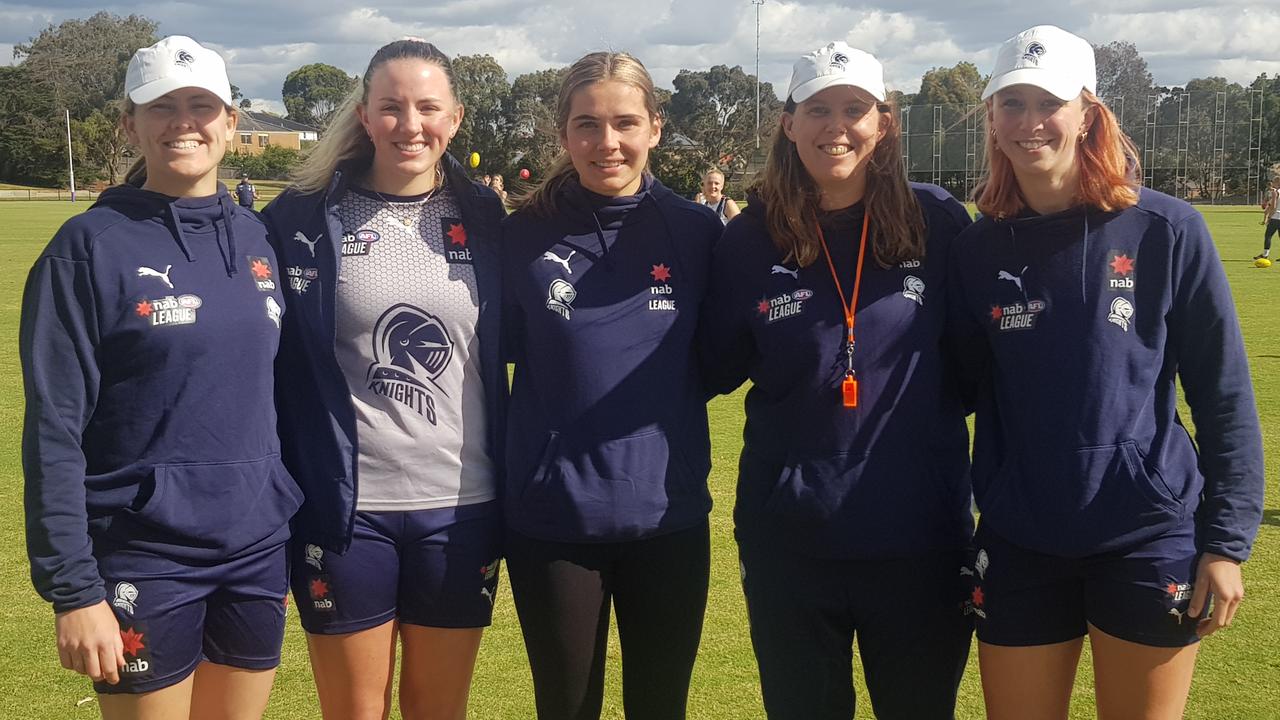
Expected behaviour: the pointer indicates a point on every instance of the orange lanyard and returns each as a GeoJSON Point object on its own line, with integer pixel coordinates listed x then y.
{"type": "Point", "coordinates": [849, 388]}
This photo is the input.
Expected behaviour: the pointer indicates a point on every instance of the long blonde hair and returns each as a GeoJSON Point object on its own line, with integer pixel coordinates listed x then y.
{"type": "Point", "coordinates": [345, 143]}
{"type": "Point", "coordinates": [791, 198]}
{"type": "Point", "coordinates": [588, 70]}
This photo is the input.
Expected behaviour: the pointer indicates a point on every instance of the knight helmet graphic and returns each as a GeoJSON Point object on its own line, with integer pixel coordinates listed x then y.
{"type": "Point", "coordinates": [410, 345]}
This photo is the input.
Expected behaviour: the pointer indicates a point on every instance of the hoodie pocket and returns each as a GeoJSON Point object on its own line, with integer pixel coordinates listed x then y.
{"type": "Point", "coordinates": [219, 506]}
{"type": "Point", "coordinates": [812, 491]}
{"type": "Point", "coordinates": [1081, 501]}
{"type": "Point", "coordinates": [618, 488]}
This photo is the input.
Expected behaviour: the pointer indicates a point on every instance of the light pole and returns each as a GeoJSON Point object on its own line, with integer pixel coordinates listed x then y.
{"type": "Point", "coordinates": [71, 166]}
{"type": "Point", "coordinates": [757, 3]}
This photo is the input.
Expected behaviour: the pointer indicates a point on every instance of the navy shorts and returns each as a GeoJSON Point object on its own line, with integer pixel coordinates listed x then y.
{"type": "Point", "coordinates": [173, 615]}
{"type": "Point", "coordinates": [1021, 597]}
{"type": "Point", "coordinates": [436, 568]}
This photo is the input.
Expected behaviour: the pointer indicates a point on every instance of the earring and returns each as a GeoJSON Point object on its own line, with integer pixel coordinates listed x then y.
{"type": "Point", "coordinates": [1084, 134]}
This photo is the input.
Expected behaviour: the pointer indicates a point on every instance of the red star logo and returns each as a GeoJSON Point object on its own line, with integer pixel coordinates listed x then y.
{"type": "Point", "coordinates": [996, 312]}
{"type": "Point", "coordinates": [1172, 589]}
{"type": "Point", "coordinates": [132, 642]}
{"type": "Point", "coordinates": [484, 569]}
{"type": "Point", "coordinates": [260, 270]}
{"type": "Point", "coordinates": [457, 234]}
{"type": "Point", "coordinates": [978, 596]}
{"type": "Point", "coordinates": [143, 309]}
{"type": "Point", "coordinates": [660, 273]}
{"type": "Point", "coordinates": [1122, 265]}
{"type": "Point", "coordinates": [762, 307]}
{"type": "Point", "coordinates": [319, 588]}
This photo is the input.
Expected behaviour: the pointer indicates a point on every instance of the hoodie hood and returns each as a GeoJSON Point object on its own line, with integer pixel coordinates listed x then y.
{"type": "Point", "coordinates": [602, 211]}
{"type": "Point", "coordinates": [188, 219]}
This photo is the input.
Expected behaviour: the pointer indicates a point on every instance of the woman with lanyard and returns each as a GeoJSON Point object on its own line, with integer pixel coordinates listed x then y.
{"type": "Point", "coordinates": [713, 196]}
{"type": "Point", "coordinates": [392, 393]}
{"type": "Point", "coordinates": [157, 506]}
{"type": "Point", "coordinates": [608, 448]}
{"type": "Point", "coordinates": [1099, 517]}
{"type": "Point", "coordinates": [853, 498]}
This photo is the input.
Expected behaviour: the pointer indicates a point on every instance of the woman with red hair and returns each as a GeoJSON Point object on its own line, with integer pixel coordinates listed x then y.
{"type": "Point", "coordinates": [1079, 300]}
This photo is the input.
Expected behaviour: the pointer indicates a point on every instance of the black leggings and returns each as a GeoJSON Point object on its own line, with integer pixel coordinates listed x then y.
{"type": "Point", "coordinates": [1272, 226]}
{"type": "Point", "coordinates": [658, 587]}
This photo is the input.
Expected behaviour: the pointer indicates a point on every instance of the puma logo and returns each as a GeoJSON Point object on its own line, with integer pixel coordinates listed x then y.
{"type": "Point", "coordinates": [1178, 614]}
{"type": "Point", "coordinates": [780, 270]}
{"type": "Point", "coordinates": [1015, 279]}
{"type": "Point", "coordinates": [548, 255]}
{"type": "Point", "coordinates": [164, 276]}
{"type": "Point", "coordinates": [311, 244]}
{"type": "Point", "coordinates": [487, 593]}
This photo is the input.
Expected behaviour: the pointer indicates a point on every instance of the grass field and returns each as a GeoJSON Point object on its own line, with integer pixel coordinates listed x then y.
{"type": "Point", "coordinates": [1239, 670]}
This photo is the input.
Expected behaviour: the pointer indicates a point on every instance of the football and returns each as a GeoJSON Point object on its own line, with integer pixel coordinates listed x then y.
{"type": "Point", "coordinates": [1262, 262]}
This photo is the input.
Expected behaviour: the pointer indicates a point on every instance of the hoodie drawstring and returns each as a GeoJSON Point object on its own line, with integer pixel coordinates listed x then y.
{"type": "Point", "coordinates": [177, 231]}
{"type": "Point", "coordinates": [230, 258]}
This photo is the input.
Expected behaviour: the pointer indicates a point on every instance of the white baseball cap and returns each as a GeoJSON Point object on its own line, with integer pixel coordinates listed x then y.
{"type": "Point", "coordinates": [836, 64]}
{"type": "Point", "coordinates": [1047, 57]}
{"type": "Point", "coordinates": [175, 62]}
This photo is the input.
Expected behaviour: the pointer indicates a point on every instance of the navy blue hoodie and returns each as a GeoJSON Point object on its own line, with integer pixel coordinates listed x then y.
{"type": "Point", "coordinates": [317, 419]}
{"type": "Point", "coordinates": [607, 438]}
{"type": "Point", "coordinates": [1079, 323]}
{"type": "Point", "coordinates": [149, 327]}
{"type": "Point", "coordinates": [887, 479]}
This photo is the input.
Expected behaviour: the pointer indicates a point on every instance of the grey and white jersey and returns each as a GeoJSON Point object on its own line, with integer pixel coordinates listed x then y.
{"type": "Point", "coordinates": [407, 308]}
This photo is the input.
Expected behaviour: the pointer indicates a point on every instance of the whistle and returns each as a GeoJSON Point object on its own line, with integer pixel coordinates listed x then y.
{"type": "Point", "coordinates": [849, 391]}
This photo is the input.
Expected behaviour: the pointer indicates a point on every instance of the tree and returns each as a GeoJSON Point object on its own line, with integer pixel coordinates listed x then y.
{"type": "Point", "coordinates": [82, 63]}
{"type": "Point", "coordinates": [1125, 84]}
{"type": "Point", "coordinates": [961, 85]}
{"type": "Point", "coordinates": [716, 110]}
{"type": "Point", "coordinates": [313, 92]}
{"type": "Point", "coordinates": [102, 142]}
{"type": "Point", "coordinates": [531, 113]}
{"type": "Point", "coordinates": [481, 84]}
{"type": "Point", "coordinates": [32, 149]}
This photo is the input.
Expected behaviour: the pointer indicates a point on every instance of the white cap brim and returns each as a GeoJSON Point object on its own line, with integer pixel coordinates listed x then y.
{"type": "Point", "coordinates": [806, 90]}
{"type": "Point", "coordinates": [1065, 90]}
{"type": "Point", "coordinates": [147, 92]}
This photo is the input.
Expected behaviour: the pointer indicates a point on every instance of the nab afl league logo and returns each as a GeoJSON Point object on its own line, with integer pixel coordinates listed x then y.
{"type": "Point", "coordinates": [411, 348]}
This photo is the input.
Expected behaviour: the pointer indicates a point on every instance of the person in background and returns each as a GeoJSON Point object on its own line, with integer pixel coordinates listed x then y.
{"type": "Point", "coordinates": [1270, 213]}
{"type": "Point", "coordinates": [392, 394]}
{"type": "Point", "coordinates": [157, 507]}
{"type": "Point", "coordinates": [712, 195]}
{"type": "Point", "coordinates": [246, 193]}
{"type": "Point", "coordinates": [1101, 517]}
{"type": "Point", "coordinates": [608, 447]}
{"type": "Point", "coordinates": [853, 513]}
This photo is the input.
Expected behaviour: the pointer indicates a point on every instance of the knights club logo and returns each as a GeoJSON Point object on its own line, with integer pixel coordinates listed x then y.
{"type": "Point", "coordinates": [411, 349]}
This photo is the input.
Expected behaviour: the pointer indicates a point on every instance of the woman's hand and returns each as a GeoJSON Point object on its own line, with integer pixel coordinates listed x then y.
{"type": "Point", "coordinates": [1217, 577]}
{"type": "Point", "coordinates": [89, 642]}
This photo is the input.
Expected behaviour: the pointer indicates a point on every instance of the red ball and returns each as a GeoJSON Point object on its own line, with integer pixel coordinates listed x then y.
{"type": "Point", "coordinates": [524, 173]}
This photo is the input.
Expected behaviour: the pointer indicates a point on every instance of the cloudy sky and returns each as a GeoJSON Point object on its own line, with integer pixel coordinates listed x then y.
{"type": "Point", "coordinates": [263, 40]}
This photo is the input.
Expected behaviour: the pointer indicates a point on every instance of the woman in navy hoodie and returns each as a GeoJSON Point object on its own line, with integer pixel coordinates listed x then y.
{"type": "Point", "coordinates": [391, 394]}
{"type": "Point", "coordinates": [1080, 300]}
{"type": "Point", "coordinates": [853, 496]}
{"type": "Point", "coordinates": [157, 506]}
{"type": "Point", "coordinates": [608, 450]}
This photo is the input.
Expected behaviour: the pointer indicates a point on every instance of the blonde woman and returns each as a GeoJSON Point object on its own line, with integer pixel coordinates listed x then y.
{"type": "Point", "coordinates": [712, 195]}
{"type": "Point", "coordinates": [608, 449]}
{"type": "Point", "coordinates": [392, 393]}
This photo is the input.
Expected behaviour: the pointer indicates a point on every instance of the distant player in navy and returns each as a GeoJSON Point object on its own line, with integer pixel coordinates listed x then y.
{"type": "Point", "coordinates": [712, 195]}
{"type": "Point", "coordinates": [1081, 301]}
{"type": "Point", "coordinates": [246, 193]}
{"type": "Point", "coordinates": [392, 394]}
{"type": "Point", "coordinates": [853, 513]}
{"type": "Point", "coordinates": [608, 452]}
{"type": "Point", "coordinates": [157, 506]}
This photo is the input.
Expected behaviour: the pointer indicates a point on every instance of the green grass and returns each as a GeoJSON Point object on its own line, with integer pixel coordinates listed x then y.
{"type": "Point", "coordinates": [1239, 671]}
